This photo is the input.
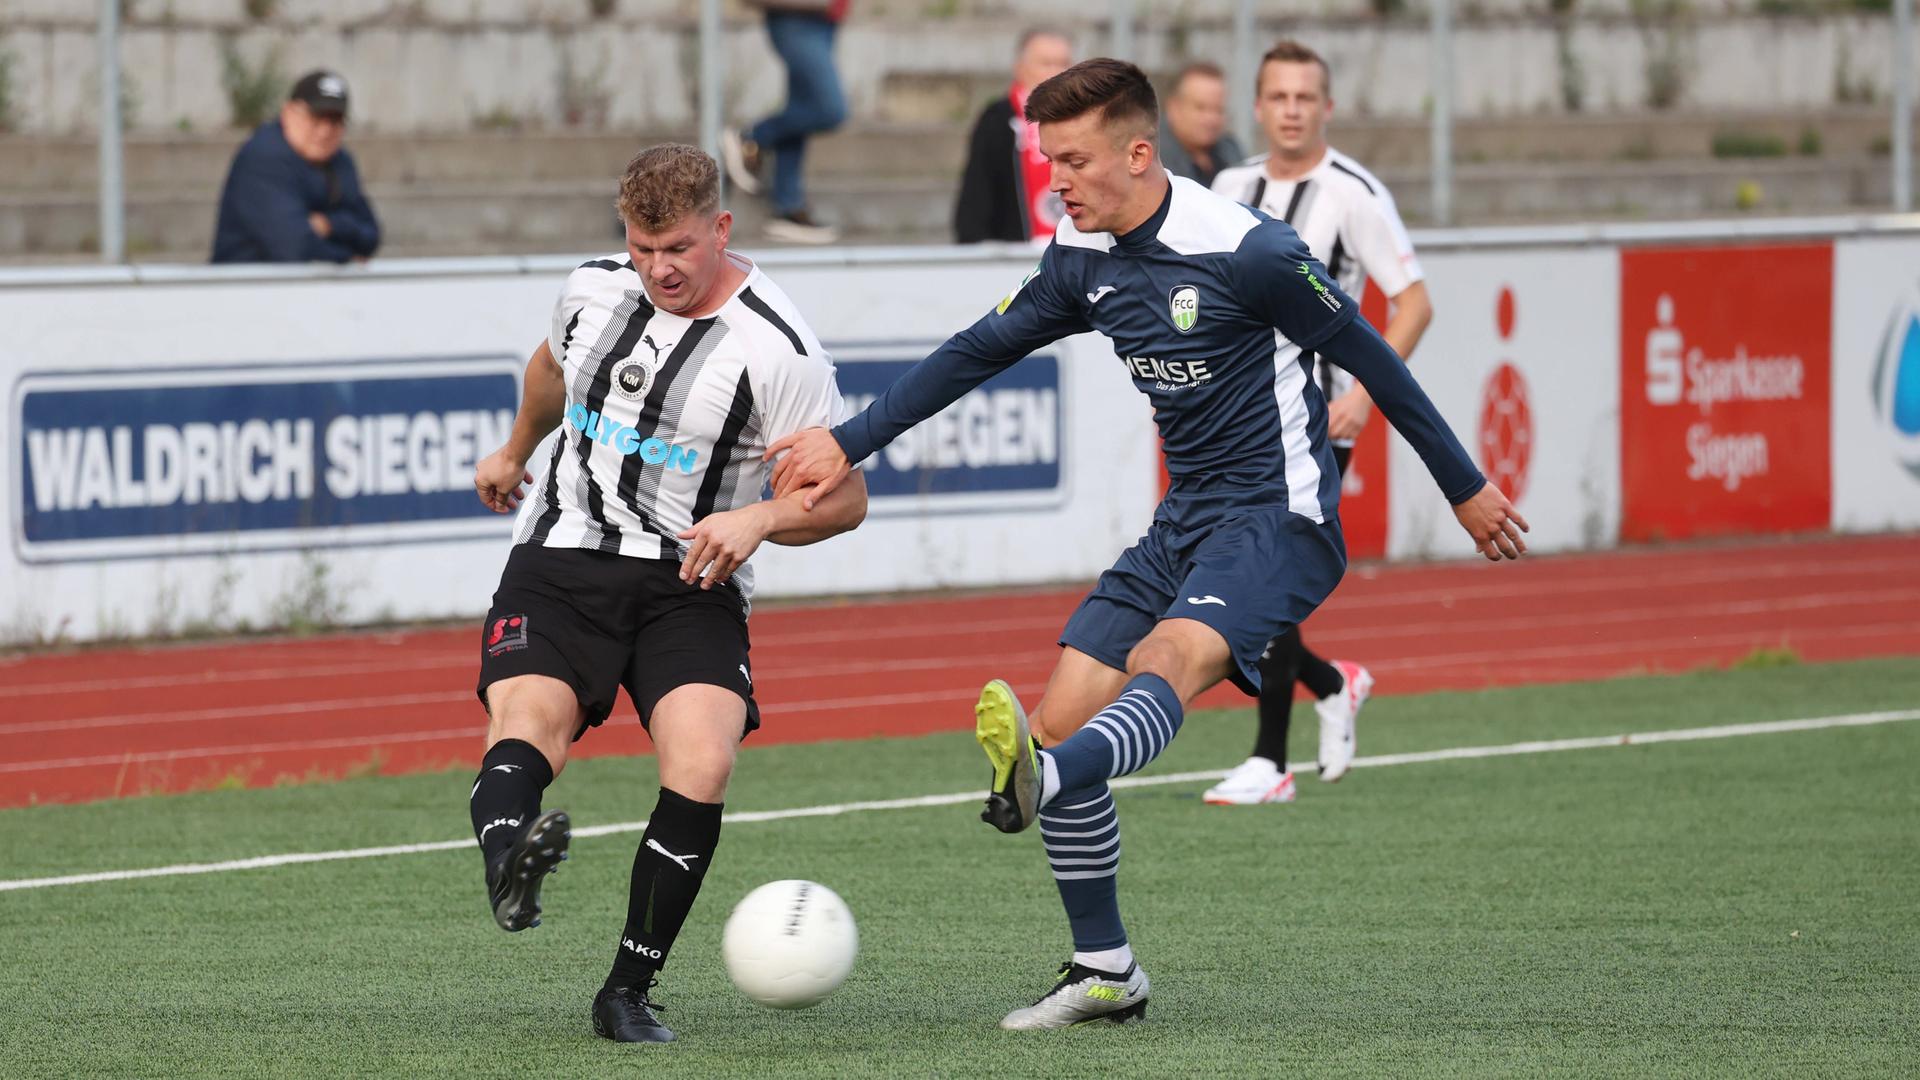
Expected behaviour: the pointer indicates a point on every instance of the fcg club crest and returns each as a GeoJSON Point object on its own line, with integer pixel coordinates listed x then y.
{"type": "Point", "coordinates": [1896, 380]}
{"type": "Point", "coordinates": [1184, 304]}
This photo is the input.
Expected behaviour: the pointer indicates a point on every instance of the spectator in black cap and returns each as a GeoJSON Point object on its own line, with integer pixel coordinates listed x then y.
{"type": "Point", "coordinates": [293, 194]}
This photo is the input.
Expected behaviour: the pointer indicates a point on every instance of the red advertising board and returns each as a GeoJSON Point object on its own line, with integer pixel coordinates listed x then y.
{"type": "Point", "coordinates": [1724, 387]}
{"type": "Point", "coordinates": [1363, 491]}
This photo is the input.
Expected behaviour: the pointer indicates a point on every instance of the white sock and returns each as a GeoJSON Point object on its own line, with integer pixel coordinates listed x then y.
{"type": "Point", "coordinates": [1116, 961]}
{"type": "Point", "coordinates": [1049, 778]}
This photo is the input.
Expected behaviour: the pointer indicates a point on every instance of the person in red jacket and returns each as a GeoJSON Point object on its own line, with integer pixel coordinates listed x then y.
{"type": "Point", "coordinates": [1003, 192]}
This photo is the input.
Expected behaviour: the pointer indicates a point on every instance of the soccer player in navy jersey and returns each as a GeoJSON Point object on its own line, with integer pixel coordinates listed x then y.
{"type": "Point", "coordinates": [1216, 311]}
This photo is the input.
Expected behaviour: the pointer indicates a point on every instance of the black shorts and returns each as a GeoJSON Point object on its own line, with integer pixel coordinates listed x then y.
{"type": "Point", "coordinates": [599, 621]}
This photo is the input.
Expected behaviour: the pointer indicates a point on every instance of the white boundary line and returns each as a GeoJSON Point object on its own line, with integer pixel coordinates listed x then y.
{"type": "Point", "coordinates": [1459, 753]}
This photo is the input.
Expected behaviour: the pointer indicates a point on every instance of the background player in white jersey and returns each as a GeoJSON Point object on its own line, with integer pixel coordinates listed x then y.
{"type": "Point", "coordinates": [673, 367]}
{"type": "Point", "coordinates": [1348, 220]}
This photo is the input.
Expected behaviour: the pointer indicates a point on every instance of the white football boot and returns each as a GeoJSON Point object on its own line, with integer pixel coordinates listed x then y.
{"type": "Point", "coordinates": [1338, 712]}
{"type": "Point", "coordinates": [1253, 781]}
{"type": "Point", "coordinates": [1082, 996]}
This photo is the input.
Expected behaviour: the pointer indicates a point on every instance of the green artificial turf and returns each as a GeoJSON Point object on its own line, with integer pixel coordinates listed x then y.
{"type": "Point", "coordinates": [1742, 906]}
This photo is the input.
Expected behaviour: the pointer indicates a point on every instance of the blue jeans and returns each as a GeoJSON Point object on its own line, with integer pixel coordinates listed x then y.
{"type": "Point", "coordinates": [814, 101]}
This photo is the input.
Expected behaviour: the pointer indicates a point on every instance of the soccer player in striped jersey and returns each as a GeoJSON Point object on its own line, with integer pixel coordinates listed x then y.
{"type": "Point", "coordinates": [1347, 218]}
{"type": "Point", "coordinates": [1215, 311]}
{"type": "Point", "coordinates": [668, 369]}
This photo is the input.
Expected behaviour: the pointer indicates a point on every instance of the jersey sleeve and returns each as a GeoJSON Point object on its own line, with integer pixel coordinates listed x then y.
{"type": "Point", "coordinates": [799, 391]}
{"type": "Point", "coordinates": [1039, 310]}
{"type": "Point", "coordinates": [1381, 245]}
{"type": "Point", "coordinates": [1277, 279]}
{"type": "Point", "coordinates": [566, 313]}
{"type": "Point", "coordinates": [1359, 348]}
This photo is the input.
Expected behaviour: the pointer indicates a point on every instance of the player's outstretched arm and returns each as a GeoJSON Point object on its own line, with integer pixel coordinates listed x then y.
{"type": "Point", "coordinates": [500, 476]}
{"type": "Point", "coordinates": [1482, 509]}
{"type": "Point", "coordinates": [1038, 311]}
{"type": "Point", "coordinates": [719, 543]}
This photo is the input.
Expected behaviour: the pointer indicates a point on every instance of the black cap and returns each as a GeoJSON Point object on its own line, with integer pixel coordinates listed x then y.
{"type": "Point", "coordinates": [323, 91]}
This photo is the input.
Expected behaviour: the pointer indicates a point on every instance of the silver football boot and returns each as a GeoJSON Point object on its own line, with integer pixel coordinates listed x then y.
{"type": "Point", "coordinates": [1082, 996]}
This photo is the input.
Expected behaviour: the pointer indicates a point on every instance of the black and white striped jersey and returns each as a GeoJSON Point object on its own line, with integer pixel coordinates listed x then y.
{"type": "Point", "coordinates": [667, 417]}
{"type": "Point", "coordinates": [1347, 218]}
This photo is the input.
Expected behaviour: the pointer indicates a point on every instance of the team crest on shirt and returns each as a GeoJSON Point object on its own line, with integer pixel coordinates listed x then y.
{"type": "Point", "coordinates": [1184, 304]}
{"type": "Point", "coordinates": [634, 376]}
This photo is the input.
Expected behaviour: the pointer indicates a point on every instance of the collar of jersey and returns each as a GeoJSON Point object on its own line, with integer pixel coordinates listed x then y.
{"type": "Point", "coordinates": [1140, 239]}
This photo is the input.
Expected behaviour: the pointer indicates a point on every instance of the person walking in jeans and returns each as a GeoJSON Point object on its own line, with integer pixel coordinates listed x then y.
{"type": "Point", "coordinates": [802, 33]}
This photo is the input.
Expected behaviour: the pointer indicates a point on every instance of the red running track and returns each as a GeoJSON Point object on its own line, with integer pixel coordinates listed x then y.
{"type": "Point", "coordinates": [91, 724]}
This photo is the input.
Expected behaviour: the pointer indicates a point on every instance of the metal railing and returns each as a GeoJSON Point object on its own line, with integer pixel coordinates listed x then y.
{"type": "Point", "coordinates": [1425, 240]}
{"type": "Point", "coordinates": [1122, 14]}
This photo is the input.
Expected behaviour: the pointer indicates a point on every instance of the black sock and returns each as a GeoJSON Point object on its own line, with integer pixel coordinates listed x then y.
{"type": "Point", "coordinates": [506, 794]}
{"type": "Point", "coordinates": [667, 871]}
{"type": "Point", "coordinates": [1321, 678]}
{"type": "Point", "coordinates": [1278, 670]}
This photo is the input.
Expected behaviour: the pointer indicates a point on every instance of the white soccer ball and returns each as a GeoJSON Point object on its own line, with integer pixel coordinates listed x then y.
{"type": "Point", "coordinates": [789, 944]}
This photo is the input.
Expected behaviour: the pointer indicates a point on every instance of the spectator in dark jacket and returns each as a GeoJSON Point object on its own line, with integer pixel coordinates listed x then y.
{"type": "Point", "coordinates": [1003, 193]}
{"type": "Point", "coordinates": [292, 193]}
{"type": "Point", "coordinates": [1193, 128]}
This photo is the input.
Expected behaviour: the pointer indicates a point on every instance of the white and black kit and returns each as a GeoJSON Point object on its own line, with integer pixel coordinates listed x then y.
{"type": "Point", "coordinates": [666, 421]}
{"type": "Point", "coordinates": [1349, 221]}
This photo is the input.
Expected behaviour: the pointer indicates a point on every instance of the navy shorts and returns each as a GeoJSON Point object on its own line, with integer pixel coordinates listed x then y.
{"type": "Point", "coordinates": [1251, 577]}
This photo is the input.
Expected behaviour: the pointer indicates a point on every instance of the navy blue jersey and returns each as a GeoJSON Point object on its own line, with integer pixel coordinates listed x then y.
{"type": "Point", "coordinates": [1217, 311]}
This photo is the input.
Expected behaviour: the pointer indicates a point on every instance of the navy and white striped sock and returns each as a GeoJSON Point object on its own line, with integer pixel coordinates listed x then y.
{"type": "Point", "coordinates": [1122, 738]}
{"type": "Point", "coordinates": [1081, 832]}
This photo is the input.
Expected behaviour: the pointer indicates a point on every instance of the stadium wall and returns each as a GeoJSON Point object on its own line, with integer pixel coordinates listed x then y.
{"type": "Point", "coordinates": [201, 449]}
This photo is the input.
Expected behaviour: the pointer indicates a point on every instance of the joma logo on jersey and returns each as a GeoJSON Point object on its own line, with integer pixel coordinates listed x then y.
{"type": "Point", "coordinates": [1169, 372]}
{"type": "Point", "coordinates": [1184, 303]}
{"type": "Point", "coordinates": [1320, 288]}
{"type": "Point", "coordinates": [610, 432]}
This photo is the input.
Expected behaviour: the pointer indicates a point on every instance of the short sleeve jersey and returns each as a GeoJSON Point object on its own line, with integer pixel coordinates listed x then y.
{"type": "Point", "coordinates": [667, 417]}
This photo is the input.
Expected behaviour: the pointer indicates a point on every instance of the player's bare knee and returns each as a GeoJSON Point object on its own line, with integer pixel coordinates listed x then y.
{"type": "Point", "coordinates": [696, 731]}
{"type": "Point", "coordinates": [1166, 657]}
{"type": "Point", "coordinates": [536, 710]}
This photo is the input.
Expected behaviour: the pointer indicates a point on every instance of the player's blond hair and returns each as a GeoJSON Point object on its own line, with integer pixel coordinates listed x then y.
{"type": "Point", "coordinates": [1293, 51]}
{"type": "Point", "coordinates": [665, 183]}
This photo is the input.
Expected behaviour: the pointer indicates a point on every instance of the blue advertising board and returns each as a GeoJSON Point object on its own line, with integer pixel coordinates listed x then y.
{"type": "Point", "coordinates": [1001, 445]}
{"type": "Point", "coordinates": [138, 462]}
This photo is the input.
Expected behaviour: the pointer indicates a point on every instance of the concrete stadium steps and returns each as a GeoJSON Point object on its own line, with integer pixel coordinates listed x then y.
{"type": "Point", "coordinates": [489, 192]}
{"type": "Point", "coordinates": [459, 218]}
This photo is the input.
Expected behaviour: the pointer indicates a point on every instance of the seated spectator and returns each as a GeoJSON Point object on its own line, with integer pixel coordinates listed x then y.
{"type": "Point", "coordinates": [1193, 131]}
{"type": "Point", "coordinates": [1003, 192]}
{"type": "Point", "coordinates": [292, 193]}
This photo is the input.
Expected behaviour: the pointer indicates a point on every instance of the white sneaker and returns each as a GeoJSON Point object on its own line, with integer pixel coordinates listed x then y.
{"type": "Point", "coordinates": [1337, 715]}
{"type": "Point", "coordinates": [1083, 995]}
{"type": "Point", "coordinates": [799, 228]}
{"type": "Point", "coordinates": [1255, 780]}
{"type": "Point", "coordinates": [742, 160]}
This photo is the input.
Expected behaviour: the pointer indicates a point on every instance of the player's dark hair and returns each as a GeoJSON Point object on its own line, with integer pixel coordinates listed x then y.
{"type": "Point", "coordinates": [1119, 90]}
{"type": "Point", "coordinates": [1291, 51]}
{"type": "Point", "coordinates": [665, 183]}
